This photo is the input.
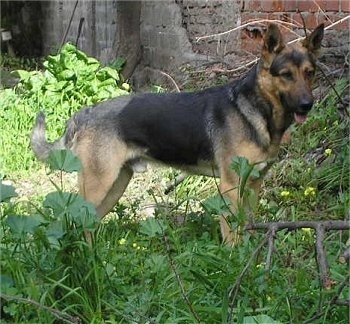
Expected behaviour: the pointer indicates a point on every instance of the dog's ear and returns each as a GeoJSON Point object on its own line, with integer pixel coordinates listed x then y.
{"type": "Point", "coordinates": [313, 41]}
{"type": "Point", "coordinates": [273, 44]}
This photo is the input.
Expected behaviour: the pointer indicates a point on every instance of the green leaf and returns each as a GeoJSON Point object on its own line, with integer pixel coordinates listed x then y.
{"type": "Point", "coordinates": [259, 319]}
{"type": "Point", "coordinates": [244, 170]}
{"type": "Point", "coordinates": [216, 205]}
{"type": "Point", "coordinates": [24, 75]}
{"type": "Point", "coordinates": [118, 63]}
{"type": "Point", "coordinates": [73, 206]}
{"type": "Point", "coordinates": [94, 64]}
{"type": "Point", "coordinates": [64, 160]}
{"type": "Point", "coordinates": [20, 224]}
{"type": "Point", "coordinates": [6, 192]}
{"type": "Point", "coordinates": [152, 227]}
{"type": "Point", "coordinates": [66, 75]}
{"type": "Point", "coordinates": [109, 72]}
{"type": "Point", "coordinates": [54, 232]}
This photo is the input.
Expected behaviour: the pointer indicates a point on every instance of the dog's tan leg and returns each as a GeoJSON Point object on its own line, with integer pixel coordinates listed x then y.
{"type": "Point", "coordinates": [103, 170]}
{"type": "Point", "coordinates": [115, 192]}
{"type": "Point", "coordinates": [229, 183]}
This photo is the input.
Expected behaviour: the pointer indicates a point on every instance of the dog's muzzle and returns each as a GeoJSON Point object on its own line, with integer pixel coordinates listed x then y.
{"type": "Point", "coordinates": [304, 107]}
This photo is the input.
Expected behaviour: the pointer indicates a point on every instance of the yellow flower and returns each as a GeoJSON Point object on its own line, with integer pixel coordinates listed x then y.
{"type": "Point", "coordinates": [126, 86]}
{"type": "Point", "coordinates": [260, 265]}
{"type": "Point", "coordinates": [122, 241]}
{"type": "Point", "coordinates": [134, 245]}
{"type": "Point", "coordinates": [310, 192]}
{"type": "Point", "coordinates": [328, 152]}
{"type": "Point", "coordinates": [285, 193]}
{"type": "Point", "coordinates": [307, 230]}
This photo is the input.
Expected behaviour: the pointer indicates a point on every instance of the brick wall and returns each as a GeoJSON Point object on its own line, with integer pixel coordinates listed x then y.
{"type": "Point", "coordinates": [313, 13]}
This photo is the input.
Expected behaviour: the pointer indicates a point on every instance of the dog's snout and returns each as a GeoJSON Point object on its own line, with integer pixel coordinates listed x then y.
{"type": "Point", "coordinates": [306, 104]}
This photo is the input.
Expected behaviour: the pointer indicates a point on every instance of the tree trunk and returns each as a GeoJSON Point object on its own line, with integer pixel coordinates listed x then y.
{"type": "Point", "coordinates": [128, 43]}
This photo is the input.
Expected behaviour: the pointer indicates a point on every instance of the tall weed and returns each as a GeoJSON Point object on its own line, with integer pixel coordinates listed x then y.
{"type": "Point", "coordinates": [70, 81]}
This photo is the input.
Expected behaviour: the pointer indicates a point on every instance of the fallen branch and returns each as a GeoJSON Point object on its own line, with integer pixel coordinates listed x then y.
{"type": "Point", "coordinates": [64, 317]}
{"type": "Point", "coordinates": [319, 226]}
{"type": "Point", "coordinates": [327, 225]}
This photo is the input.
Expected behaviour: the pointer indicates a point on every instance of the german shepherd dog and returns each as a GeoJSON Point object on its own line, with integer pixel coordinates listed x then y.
{"type": "Point", "coordinates": [199, 132]}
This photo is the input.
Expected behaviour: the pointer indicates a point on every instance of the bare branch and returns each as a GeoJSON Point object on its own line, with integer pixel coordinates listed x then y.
{"type": "Point", "coordinates": [321, 258]}
{"type": "Point", "coordinates": [345, 257]}
{"type": "Point", "coordinates": [271, 234]}
{"type": "Point", "coordinates": [327, 225]}
{"type": "Point", "coordinates": [64, 317]}
{"type": "Point", "coordinates": [319, 226]}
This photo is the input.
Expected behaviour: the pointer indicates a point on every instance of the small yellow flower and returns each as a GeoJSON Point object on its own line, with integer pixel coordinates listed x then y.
{"type": "Point", "coordinates": [122, 241]}
{"type": "Point", "coordinates": [328, 152]}
{"type": "Point", "coordinates": [134, 245]}
{"type": "Point", "coordinates": [310, 192]}
{"type": "Point", "coordinates": [260, 265]}
{"type": "Point", "coordinates": [307, 230]}
{"type": "Point", "coordinates": [126, 86]}
{"type": "Point", "coordinates": [285, 193]}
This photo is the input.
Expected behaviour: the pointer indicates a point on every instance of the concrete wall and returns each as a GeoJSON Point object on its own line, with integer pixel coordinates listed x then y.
{"type": "Point", "coordinates": [98, 29]}
{"type": "Point", "coordinates": [169, 28]}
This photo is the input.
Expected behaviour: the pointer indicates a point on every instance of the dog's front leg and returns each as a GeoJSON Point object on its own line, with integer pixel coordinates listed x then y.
{"type": "Point", "coordinates": [229, 188]}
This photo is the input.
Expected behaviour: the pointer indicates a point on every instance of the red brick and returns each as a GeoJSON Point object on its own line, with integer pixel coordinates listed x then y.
{"type": "Point", "coordinates": [332, 5]}
{"type": "Point", "coordinates": [290, 5]}
{"type": "Point", "coordinates": [278, 5]}
{"type": "Point", "coordinates": [267, 5]}
{"type": "Point", "coordinates": [311, 20]}
{"type": "Point", "coordinates": [253, 5]}
{"type": "Point", "coordinates": [345, 5]}
{"type": "Point", "coordinates": [296, 19]}
{"type": "Point", "coordinates": [251, 42]}
{"type": "Point", "coordinates": [309, 6]}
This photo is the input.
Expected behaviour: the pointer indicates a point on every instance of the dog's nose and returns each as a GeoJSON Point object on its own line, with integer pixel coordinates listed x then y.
{"type": "Point", "coordinates": [306, 104]}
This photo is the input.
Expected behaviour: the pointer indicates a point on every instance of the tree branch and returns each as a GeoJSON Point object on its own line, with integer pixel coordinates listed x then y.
{"type": "Point", "coordinates": [319, 226]}
{"type": "Point", "coordinates": [64, 317]}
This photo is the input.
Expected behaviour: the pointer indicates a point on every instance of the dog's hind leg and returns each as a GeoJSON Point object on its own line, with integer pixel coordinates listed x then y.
{"type": "Point", "coordinates": [104, 175]}
{"type": "Point", "coordinates": [115, 192]}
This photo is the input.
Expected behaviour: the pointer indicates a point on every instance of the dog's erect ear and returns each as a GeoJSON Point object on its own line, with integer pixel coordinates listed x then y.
{"type": "Point", "coordinates": [313, 41]}
{"type": "Point", "coordinates": [273, 44]}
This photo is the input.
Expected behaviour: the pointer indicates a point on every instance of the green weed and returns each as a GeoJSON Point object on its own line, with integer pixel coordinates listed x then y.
{"type": "Point", "coordinates": [70, 81]}
{"type": "Point", "coordinates": [59, 263]}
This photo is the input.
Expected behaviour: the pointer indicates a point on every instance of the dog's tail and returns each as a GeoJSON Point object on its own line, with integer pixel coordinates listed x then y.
{"type": "Point", "coordinates": [41, 147]}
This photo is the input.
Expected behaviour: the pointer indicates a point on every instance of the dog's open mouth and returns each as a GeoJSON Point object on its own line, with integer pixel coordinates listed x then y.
{"type": "Point", "coordinates": [300, 117]}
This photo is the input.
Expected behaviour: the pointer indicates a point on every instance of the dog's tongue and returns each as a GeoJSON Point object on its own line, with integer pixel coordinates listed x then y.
{"type": "Point", "coordinates": [299, 118]}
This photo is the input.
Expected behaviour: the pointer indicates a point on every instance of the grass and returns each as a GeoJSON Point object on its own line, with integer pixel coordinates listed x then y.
{"type": "Point", "coordinates": [171, 268]}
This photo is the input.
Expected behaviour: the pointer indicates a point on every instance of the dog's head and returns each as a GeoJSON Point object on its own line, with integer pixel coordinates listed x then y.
{"type": "Point", "coordinates": [287, 71]}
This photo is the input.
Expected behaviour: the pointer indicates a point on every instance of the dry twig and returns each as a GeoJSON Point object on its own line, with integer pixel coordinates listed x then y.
{"type": "Point", "coordinates": [319, 226]}
{"type": "Point", "coordinates": [64, 317]}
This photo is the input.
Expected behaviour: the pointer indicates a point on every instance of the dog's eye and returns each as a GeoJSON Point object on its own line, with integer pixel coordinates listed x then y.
{"type": "Point", "coordinates": [309, 74]}
{"type": "Point", "coordinates": [287, 75]}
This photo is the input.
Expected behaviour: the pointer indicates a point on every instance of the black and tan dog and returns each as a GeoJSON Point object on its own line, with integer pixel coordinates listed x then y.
{"type": "Point", "coordinates": [199, 132]}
